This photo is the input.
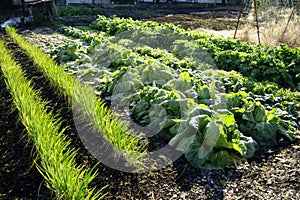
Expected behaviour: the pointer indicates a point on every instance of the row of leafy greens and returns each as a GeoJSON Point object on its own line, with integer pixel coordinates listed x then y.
{"type": "Point", "coordinates": [173, 87]}
{"type": "Point", "coordinates": [278, 64]}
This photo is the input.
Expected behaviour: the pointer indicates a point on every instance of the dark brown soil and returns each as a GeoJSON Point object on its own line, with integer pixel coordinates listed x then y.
{"type": "Point", "coordinates": [215, 20]}
{"type": "Point", "coordinates": [220, 20]}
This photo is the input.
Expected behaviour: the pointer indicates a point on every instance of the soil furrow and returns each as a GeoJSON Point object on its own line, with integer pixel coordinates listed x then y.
{"type": "Point", "coordinates": [19, 179]}
{"type": "Point", "coordinates": [56, 103]}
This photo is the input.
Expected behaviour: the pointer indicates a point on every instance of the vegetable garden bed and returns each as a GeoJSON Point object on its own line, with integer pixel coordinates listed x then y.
{"type": "Point", "coordinates": [18, 178]}
{"type": "Point", "coordinates": [263, 110]}
{"type": "Point", "coordinates": [54, 159]}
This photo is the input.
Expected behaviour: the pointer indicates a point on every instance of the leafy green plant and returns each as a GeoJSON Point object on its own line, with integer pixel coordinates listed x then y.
{"type": "Point", "coordinates": [218, 142]}
{"type": "Point", "coordinates": [171, 87]}
{"type": "Point", "coordinates": [170, 93]}
{"type": "Point", "coordinates": [253, 119]}
{"type": "Point", "coordinates": [260, 62]}
{"type": "Point", "coordinates": [114, 130]}
{"type": "Point", "coordinates": [70, 11]}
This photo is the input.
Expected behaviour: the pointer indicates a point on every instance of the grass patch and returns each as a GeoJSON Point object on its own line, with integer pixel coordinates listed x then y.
{"type": "Point", "coordinates": [56, 160]}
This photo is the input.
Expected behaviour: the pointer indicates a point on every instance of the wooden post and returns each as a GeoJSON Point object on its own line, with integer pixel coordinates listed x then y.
{"type": "Point", "coordinates": [291, 15]}
{"type": "Point", "coordinates": [55, 10]}
{"type": "Point", "coordinates": [256, 18]}
{"type": "Point", "coordinates": [238, 22]}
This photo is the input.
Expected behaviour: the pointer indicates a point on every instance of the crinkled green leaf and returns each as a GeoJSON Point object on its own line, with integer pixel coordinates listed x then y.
{"type": "Point", "coordinates": [201, 109]}
{"type": "Point", "coordinates": [223, 159]}
{"type": "Point", "coordinates": [203, 92]}
{"type": "Point", "coordinates": [227, 118]}
{"type": "Point", "coordinates": [249, 117]}
{"type": "Point", "coordinates": [259, 113]}
{"type": "Point", "coordinates": [250, 144]}
{"type": "Point", "coordinates": [235, 100]}
{"type": "Point", "coordinates": [182, 141]}
{"type": "Point", "coordinates": [266, 132]}
{"type": "Point", "coordinates": [211, 137]}
{"type": "Point", "coordinates": [199, 122]}
{"type": "Point", "coordinates": [285, 133]}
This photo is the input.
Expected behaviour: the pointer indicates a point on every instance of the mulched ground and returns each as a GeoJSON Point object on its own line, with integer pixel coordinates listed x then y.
{"type": "Point", "coordinates": [272, 174]}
